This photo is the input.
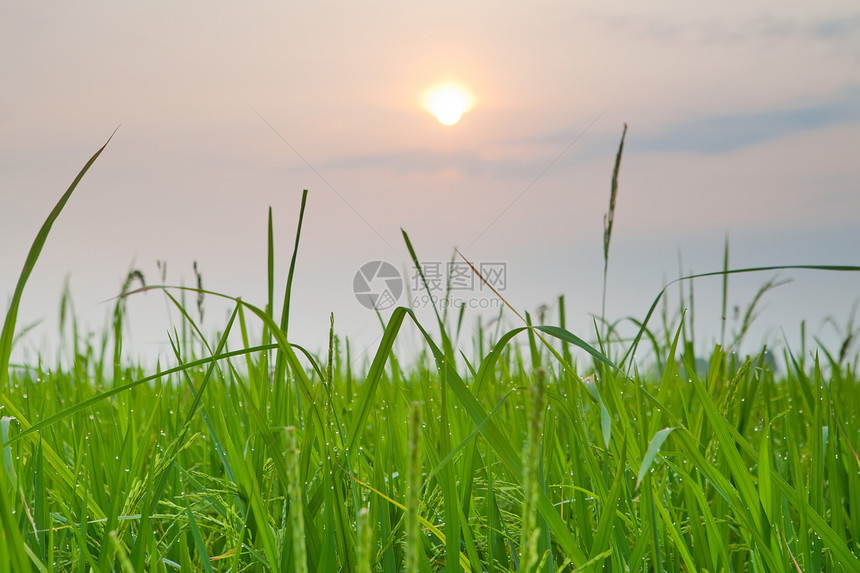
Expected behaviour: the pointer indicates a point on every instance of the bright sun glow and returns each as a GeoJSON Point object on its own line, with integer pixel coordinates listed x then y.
{"type": "Point", "coordinates": [448, 103]}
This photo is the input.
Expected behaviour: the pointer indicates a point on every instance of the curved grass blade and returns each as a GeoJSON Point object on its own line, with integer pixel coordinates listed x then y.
{"type": "Point", "coordinates": [35, 250]}
{"type": "Point", "coordinates": [281, 359]}
{"type": "Point", "coordinates": [8, 466]}
{"type": "Point", "coordinates": [632, 350]}
{"type": "Point", "coordinates": [281, 342]}
{"type": "Point", "coordinates": [12, 546]}
{"type": "Point", "coordinates": [53, 419]}
{"type": "Point", "coordinates": [377, 368]}
{"type": "Point", "coordinates": [651, 453]}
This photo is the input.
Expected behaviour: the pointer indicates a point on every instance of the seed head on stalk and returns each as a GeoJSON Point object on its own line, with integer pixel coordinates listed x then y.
{"type": "Point", "coordinates": [608, 219]}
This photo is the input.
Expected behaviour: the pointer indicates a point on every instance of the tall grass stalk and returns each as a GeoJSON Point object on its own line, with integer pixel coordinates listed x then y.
{"type": "Point", "coordinates": [294, 489]}
{"type": "Point", "coordinates": [530, 552]}
{"type": "Point", "coordinates": [725, 294]}
{"type": "Point", "coordinates": [608, 220]}
{"type": "Point", "coordinates": [413, 546]}
{"type": "Point", "coordinates": [365, 542]}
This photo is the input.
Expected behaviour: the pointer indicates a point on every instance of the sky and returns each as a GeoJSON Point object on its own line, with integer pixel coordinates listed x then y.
{"type": "Point", "coordinates": [743, 123]}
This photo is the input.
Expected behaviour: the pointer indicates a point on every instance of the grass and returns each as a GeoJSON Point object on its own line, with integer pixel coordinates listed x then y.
{"type": "Point", "coordinates": [549, 456]}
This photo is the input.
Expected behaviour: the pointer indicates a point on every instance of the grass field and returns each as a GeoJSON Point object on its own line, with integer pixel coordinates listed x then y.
{"type": "Point", "coordinates": [538, 451]}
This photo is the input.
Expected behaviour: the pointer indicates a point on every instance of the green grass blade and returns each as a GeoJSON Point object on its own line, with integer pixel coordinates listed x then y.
{"type": "Point", "coordinates": [377, 369]}
{"type": "Point", "coordinates": [12, 544]}
{"type": "Point", "coordinates": [8, 465]}
{"type": "Point", "coordinates": [834, 268]}
{"type": "Point", "coordinates": [651, 453]}
{"type": "Point", "coordinates": [8, 332]}
{"type": "Point", "coordinates": [281, 359]}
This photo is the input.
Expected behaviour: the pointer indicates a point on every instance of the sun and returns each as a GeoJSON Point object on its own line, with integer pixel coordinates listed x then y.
{"type": "Point", "coordinates": [448, 102]}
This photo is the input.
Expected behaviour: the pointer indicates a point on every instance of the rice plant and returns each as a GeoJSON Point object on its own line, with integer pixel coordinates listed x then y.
{"type": "Point", "coordinates": [267, 457]}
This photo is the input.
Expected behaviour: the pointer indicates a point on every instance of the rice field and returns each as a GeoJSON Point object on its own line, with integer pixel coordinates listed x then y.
{"type": "Point", "coordinates": [533, 449]}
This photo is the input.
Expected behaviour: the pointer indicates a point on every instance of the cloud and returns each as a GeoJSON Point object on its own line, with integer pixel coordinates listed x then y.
{"type": "Point", "coordinates": [703, 135]}
{"type": "Point", "coordinates": [717, 134]}
{"type": "Point", "coordinates": [824, 29]}
{"type": "Point", "coordinates": [723, 134]}
{"type": "Point", "coordinates": [731, 32]}
{"type": "Point", "coordinates": [420, 162]}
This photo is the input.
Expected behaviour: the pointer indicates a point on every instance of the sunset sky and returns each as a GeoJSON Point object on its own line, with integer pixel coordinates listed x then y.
{"type": "Point", "coordinates": [744, 120]}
